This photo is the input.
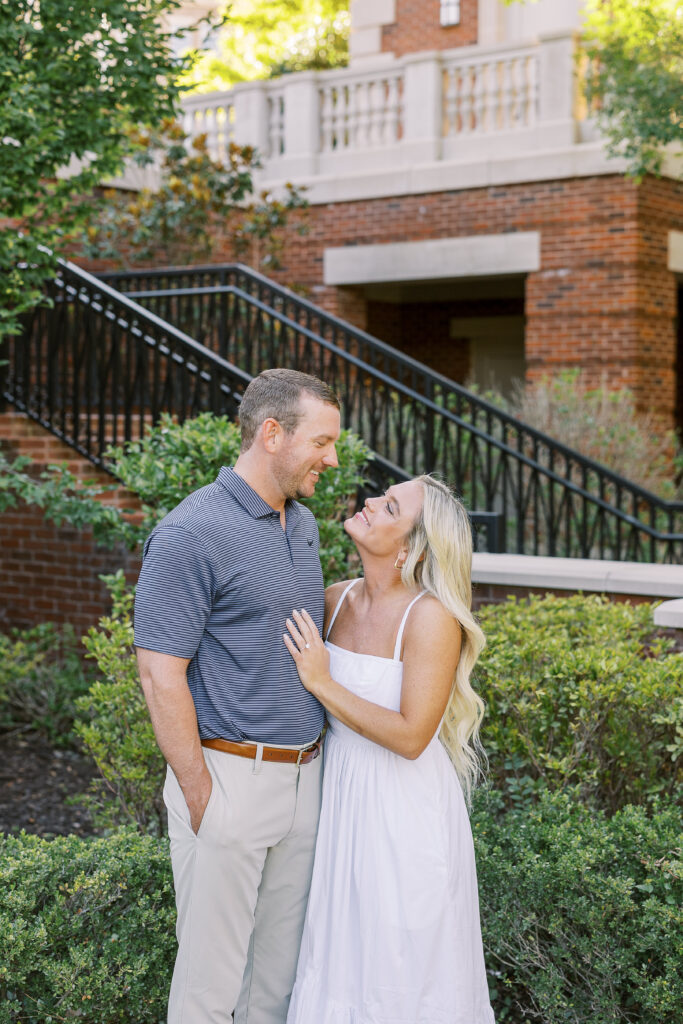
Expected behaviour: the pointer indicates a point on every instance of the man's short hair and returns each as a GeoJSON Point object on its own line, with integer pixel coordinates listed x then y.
{"type": "Point", "coordinates": [276, 394]}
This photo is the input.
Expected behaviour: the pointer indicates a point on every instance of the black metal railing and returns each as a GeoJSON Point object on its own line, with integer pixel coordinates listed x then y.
{"type": "Point", "coordinates": [544, 497]}
{"type": "Point", "coordinates": [95, 368]}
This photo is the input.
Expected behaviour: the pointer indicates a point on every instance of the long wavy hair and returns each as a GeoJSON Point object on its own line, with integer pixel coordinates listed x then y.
{"type": "Point", "coordinates": [440, 562]}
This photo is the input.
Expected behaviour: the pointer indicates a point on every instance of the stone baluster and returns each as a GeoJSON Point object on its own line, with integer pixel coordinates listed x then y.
{"type": "Point", "coordinates": [344, 116]}
{"type": "Point", "coordinates": [327, 111]}
{"type": "Point", "coordinates": [362, 116]}
{"type": "Point", "coordinates": [532, 89]}
{"type": "Point", "coordinates": [392, 111]}
{"type": "Point", "coordinates": [467, 101]}
{"type": "Point", "coordinates": [506, 95]}
{"type": "Point", "coordinates": [479, 98]}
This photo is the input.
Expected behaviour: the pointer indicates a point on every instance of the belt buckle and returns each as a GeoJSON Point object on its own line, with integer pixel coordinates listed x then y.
{"type": "Point", "coordinates": [307, 750]}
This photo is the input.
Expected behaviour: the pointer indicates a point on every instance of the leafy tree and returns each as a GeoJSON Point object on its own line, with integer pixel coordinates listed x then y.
{"type": "Point", "coordinates": [635, 77]}
{"type": "Point", "coordinates": [74, 78]}
{"type": "Point", "coordinates": [174, 222]}
{"type": "Point", "coordinates": [265, 39]}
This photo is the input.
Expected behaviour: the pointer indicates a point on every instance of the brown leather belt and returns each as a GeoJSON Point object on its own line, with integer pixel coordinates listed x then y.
{"type": "Point", "coordinates": [283, 754]}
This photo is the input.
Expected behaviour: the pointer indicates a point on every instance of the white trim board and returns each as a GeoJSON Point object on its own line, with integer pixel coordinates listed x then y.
{"type": "Point", "coordinates": [432, 260]}
{"type": "Point", "coordinates": [590, 575]}
{"type": "Point", "coordinates": [675, 260]}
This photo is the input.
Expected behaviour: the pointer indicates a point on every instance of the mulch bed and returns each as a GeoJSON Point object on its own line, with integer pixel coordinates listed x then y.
{"type": "Point", "coordinates": [35, 782]}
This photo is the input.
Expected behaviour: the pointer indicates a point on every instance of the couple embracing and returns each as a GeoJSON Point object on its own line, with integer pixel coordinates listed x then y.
{"type": "Point", "coordinates": [363, 910]}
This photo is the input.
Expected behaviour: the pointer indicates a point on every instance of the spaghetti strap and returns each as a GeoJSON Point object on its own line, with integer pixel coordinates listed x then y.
{"type": "Point", "coordinates": [399, 635]}
{"type": "Point", "coordinates": [339, 604]}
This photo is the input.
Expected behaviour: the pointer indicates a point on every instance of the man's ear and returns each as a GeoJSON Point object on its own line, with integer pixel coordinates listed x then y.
{"type": "Point", "coordinates": [271, 435]}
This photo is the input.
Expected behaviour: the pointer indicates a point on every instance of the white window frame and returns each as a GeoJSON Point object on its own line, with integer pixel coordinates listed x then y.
{"type": "Point", "coordinates": [450, 12]}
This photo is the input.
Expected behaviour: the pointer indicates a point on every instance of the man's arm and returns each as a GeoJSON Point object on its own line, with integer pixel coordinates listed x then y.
{"type": "Point", "coordinates": [171, 708]}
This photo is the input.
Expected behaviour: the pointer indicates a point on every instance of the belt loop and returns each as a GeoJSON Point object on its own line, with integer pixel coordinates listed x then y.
{"type": "Point", "coordinates": [299, 756]}
{"type": "Point", "coordinates": [258, 760]}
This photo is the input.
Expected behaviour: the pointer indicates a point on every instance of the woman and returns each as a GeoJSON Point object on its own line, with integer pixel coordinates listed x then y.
{"type": "Point", "coordinates": [392, 928]}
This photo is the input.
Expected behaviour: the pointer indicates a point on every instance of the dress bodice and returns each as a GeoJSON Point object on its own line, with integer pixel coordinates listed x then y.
{"type": "Point", "coordinates": [369, 676]}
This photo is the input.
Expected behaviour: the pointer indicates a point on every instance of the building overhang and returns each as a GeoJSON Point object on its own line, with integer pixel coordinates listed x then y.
{"type": "Point", "coordinates": [675, 255]}
{"type": "Point", "coordinates": [434, 259]}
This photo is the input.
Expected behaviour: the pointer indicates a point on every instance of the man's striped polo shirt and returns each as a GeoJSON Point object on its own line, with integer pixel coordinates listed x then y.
{"type": "Point", "coordinates": [219, 578]}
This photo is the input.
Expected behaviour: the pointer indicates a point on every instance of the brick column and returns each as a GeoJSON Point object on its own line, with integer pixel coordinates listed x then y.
{"type": "Point", "coordinates": [604, 299]}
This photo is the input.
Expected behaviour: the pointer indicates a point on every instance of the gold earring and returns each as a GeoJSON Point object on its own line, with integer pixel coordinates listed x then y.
{"type": "Point", "coordinates": [396, 565]}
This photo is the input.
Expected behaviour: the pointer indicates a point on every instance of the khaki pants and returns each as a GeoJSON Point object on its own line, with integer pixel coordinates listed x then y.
{"type": "Point", "coordinates": [241, 889]}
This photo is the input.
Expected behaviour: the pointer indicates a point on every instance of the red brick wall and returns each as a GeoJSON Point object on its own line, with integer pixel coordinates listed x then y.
{"type": "Point", "coordinates": [603, 298]}
{"type": "Point", "coordinates": [50, 573]}
{"type": "Point", "coordinates": [418, 27]}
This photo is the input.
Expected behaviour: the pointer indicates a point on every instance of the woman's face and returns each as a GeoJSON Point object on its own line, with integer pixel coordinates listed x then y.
{"type": "Point", "coordinates": [383, 524]}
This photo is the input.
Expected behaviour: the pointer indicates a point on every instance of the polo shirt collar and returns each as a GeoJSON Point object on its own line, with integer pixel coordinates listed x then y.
{"type": "Point", "coordinates": [247, 496]}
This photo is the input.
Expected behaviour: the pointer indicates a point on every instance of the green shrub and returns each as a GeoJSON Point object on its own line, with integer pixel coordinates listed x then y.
{"type": "Point", "coordinates": [581, 913]}
{"type": "Point", "coordinates": [41, 677]}
{"type": "Point", "coordinates": [581, 919]}
{"type": "Point", "coordinates": [115, 728]}
{"type": "Point", "coordinates": [602, 423]}
{"type": "Point", "coordinates": [86, 929]}
{"type": "Point", "coordinates": [579, 691]}
{"type": "Point", "coordinates": [175, 459]}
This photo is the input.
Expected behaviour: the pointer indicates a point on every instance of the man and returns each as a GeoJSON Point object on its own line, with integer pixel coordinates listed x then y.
{"type": "Point", "coordinates": [221, 574]}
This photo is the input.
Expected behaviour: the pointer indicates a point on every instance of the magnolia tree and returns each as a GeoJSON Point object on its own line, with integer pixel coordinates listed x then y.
{"type": "Point", "coordinates": [74, 78]}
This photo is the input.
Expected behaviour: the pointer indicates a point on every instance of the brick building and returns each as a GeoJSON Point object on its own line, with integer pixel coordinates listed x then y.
{"type": "Point", "coordinates": [463, 208]}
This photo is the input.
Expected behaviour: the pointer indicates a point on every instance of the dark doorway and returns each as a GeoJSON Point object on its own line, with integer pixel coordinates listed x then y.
{"type": "Point", "coordinates": [468, 330]}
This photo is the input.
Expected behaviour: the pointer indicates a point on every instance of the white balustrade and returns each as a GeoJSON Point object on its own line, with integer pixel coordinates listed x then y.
{"type": "Point", "coordinates": [427, 110]}
{"type": "Point", "coordinates": [491, 93]}
{"type": "Point", "coordinates": [213, 115]}
{"type": "Point", "coordinates": [360, 112]}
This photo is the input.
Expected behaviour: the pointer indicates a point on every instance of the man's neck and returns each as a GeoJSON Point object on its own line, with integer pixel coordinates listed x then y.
{"type": "Point", "coordinates": [260, 480]}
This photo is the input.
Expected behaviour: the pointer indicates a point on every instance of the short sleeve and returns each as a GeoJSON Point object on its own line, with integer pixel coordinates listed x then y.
{"type": "Point", "coordinates": [175, 593]}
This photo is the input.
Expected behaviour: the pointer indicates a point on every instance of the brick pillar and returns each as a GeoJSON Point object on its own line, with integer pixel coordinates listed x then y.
{"type": "Point", "coordinates": [604, 299]}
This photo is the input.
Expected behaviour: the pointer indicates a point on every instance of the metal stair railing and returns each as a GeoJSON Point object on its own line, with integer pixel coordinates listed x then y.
{"type": "Point", "coordinates": [94, 367]}
{"type": "Point", "coordinates": [549, 499]}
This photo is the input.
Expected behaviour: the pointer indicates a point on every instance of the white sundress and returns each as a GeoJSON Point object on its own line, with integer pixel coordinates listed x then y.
{"type": "Point", "coordinates": [392, 932]}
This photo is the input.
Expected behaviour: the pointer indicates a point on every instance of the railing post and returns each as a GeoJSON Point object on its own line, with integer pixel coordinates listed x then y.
{"type": "Point", "coordinates": [302, 126]}
{"type": "Point", "coordinates": [422, 105]}
{"type": "Point", "coordinates": [557, 89]}
{"type": "Point", "coordinates": [4, 369]}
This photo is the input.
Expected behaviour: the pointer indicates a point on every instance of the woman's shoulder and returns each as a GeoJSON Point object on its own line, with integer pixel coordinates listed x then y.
{"type": "Point", "coordinates": [335, 590]}
{"type": "Point", "coordinates": [429, 616]}
{"type": "Point", "coordinates": [432, 635]}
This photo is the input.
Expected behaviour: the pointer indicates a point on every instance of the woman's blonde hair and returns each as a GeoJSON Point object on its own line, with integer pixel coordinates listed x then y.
{"type": "Point", "coordinates": [440, 561]}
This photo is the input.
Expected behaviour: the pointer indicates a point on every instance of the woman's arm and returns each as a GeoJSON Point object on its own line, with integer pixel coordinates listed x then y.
{"type": "Point", "coordinates": [432, 649]}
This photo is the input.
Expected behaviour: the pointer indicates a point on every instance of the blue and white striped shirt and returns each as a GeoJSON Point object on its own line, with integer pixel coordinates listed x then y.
{"type": "Point", "coordinates": [219, 577]}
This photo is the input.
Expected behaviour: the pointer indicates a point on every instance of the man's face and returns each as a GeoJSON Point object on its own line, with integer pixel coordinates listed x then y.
{"type": "Point", "coordinates": [306, 453]}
